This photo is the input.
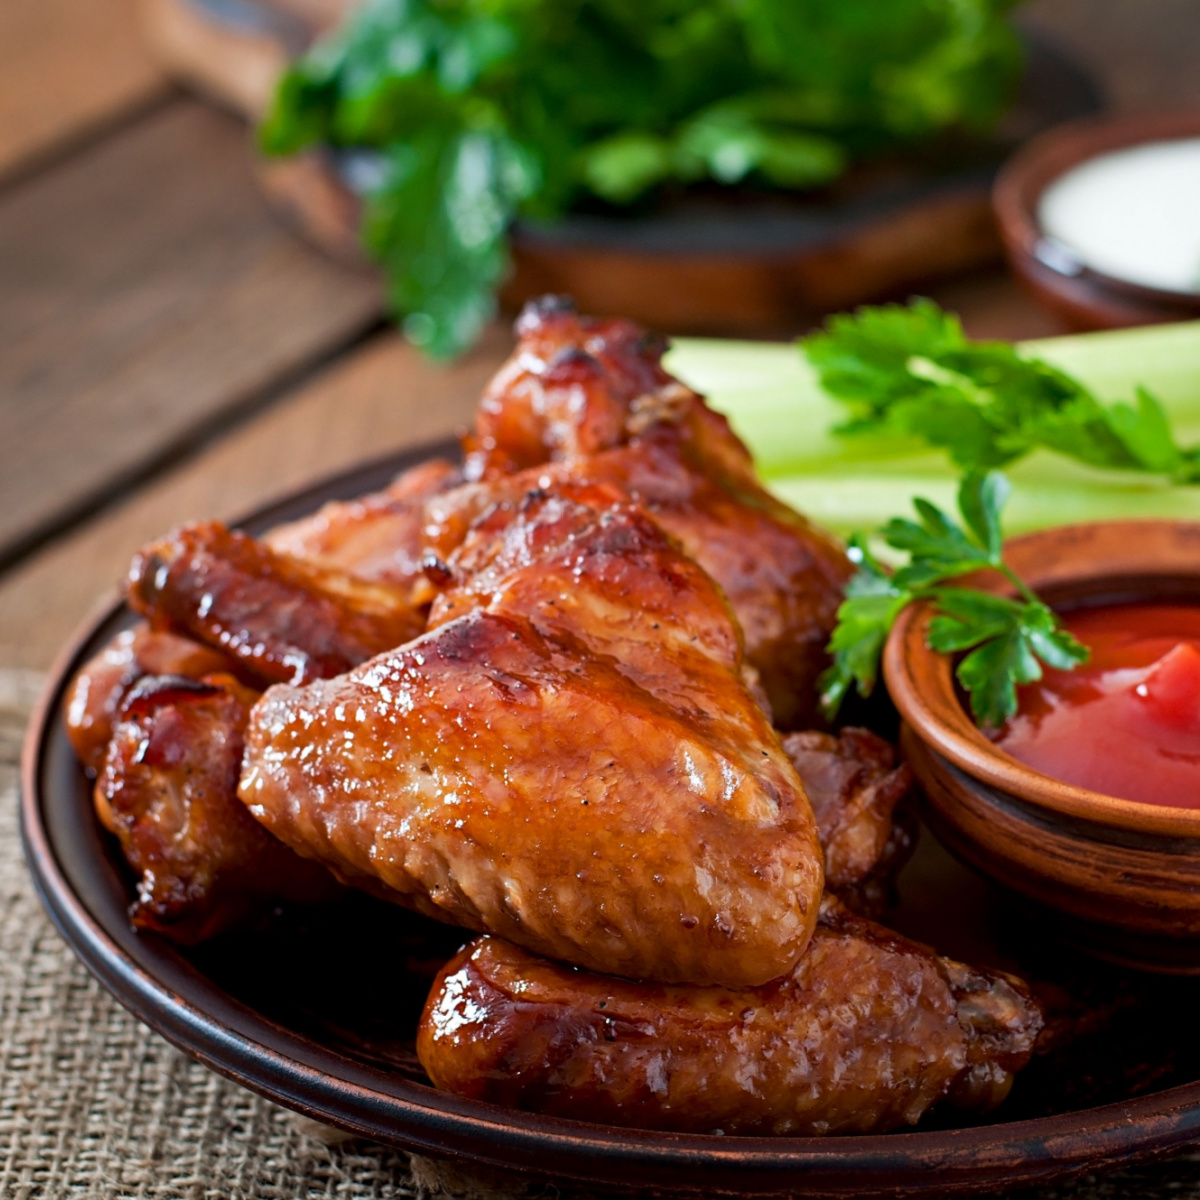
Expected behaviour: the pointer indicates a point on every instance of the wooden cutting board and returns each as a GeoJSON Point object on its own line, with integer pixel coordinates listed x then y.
{"type": "Point", "coordinates": [711, 263]}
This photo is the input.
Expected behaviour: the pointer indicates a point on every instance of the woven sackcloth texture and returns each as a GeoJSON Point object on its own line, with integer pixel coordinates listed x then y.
{"type": "Point", "coordinates": [94, 1105]}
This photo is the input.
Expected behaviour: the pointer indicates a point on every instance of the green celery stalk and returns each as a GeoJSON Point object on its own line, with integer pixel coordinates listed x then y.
{"type": "Point", "coordinates": [771, 396]}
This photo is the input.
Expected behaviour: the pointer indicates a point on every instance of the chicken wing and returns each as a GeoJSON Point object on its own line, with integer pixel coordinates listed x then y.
{"type": "Point", "coordinates": [865, 1034]}
{"type": "Point", "coordinates": [379, 536]}
{"type": "Point", "coordinates": [281, 618]}
{"type": "Point", "coordinates": [164, 718]}
{"type": "Point", "coordinates": [592, 398]}
{"type": "Point", "coordinates": [95, 695]}
{"type": "Point", "coordinates": [854, 786]}
{"type": "Point", "coordinates": [587, 402]}
{"type": "Point", "coordinates": [573, 762]}
{"type": "Point", "coordinates": [168, 791]}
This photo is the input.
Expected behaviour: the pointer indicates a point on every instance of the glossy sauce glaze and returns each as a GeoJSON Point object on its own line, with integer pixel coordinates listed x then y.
{"type": "Point", "coordinates": [1127, 723]}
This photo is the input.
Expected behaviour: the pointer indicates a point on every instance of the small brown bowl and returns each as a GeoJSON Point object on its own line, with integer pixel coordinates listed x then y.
{"type": "Point", "coordinates": [1119, 879]}
{"type": "Point", "coordinates": [1083, 297]}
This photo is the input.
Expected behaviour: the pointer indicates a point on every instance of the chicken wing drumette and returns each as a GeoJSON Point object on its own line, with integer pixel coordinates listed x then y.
{"type": "Point", "coordinates": [570, 757]}
{"type": "Point", "coordinates": [168, 790]}
{"type": "Point", "coordinates": [160, 717]}
{"type": "Point", "coordinates": [866, 1033]}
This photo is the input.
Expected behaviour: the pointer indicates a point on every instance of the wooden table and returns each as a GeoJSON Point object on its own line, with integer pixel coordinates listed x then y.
{"type": "Point", "coordinates": [169, 351]}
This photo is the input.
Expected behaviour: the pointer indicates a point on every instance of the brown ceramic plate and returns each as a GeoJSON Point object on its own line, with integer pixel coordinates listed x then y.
{"type": "Point", "coordinates": [318, 1011]}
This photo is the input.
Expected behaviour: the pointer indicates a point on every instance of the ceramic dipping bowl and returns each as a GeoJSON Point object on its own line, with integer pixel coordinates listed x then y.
{"type": "Point", "coordinates": [1117, 878]}
{"type": "Point", "coordinates": [1083, 297]}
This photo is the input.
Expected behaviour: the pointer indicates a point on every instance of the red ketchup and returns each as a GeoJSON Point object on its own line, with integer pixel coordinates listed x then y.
{"type": "Point", "coordinates": [1127, 722]}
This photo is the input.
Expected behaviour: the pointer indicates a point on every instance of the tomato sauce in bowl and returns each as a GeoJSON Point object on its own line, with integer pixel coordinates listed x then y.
{"type": "Point", "coordinates": [1127, 722]}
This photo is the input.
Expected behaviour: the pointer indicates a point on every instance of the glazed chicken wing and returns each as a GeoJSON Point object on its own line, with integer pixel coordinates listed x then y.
{"type": "Point", "coordinates": [569, 758]}
{"type": "Point", "coordinates": [379, 536]}
{"type": "Point", "coordinates": [281, 618]}
{"type": "Point", "coordinates": [164, 718]}
{"type": "Point", "coordinates": [591, 399]}
{"type": "Point", "coordinates": [96, 693]}
{"type": "Point", "coordinates": [854, 786]}
{"type": "Point", "coordinates": [865, 1034]}
{"type": "Point", "coordinates": [168, 791]}
{"type": "Point", "coordinates": [587, 402]}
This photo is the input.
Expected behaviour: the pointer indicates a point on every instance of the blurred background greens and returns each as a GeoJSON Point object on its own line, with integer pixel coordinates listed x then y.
{"type": "Point", "coordinates": [486, 111]}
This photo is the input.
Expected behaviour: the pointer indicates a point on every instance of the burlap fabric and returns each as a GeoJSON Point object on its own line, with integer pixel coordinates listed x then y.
{"type": "Point", "coordinates": [94, 1105]}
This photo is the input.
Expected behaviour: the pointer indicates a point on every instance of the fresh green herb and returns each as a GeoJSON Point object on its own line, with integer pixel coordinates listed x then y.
{"type": "Point", "coordinates": [484, 111]}
{"type": "Point", "coordinates": [1006, 640]}
{"type": "Point", "coordinates": [911, 370]}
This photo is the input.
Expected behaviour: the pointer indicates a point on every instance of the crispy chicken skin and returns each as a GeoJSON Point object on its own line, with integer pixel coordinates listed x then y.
{"type": "Point", "coordinates": [168, 791]}
{"type": "Point", "coordinates": [95, 696]}
{"type": "Point", "coordinates": [854, 786]}
{"type": "Point", "coordinates": [574, 762]}
{"type": "Point", "coordinates": [591, 398]}
{"type": "Point", "coordinates": [865, 1034]}
{"type": "Point", "coordinates": [783, 580]}
{"type": "Point", "coordinates": [378, 536]}
{"type": "Point", "coordinates": [281, 618]}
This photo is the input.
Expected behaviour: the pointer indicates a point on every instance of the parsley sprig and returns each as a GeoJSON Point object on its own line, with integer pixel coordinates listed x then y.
{"type": "Point", "coordinates": [910, 369]}
{"type": "Point", "coordinates": [463, 116]}
{"type": "Point", "coordinates": [1006, 639]}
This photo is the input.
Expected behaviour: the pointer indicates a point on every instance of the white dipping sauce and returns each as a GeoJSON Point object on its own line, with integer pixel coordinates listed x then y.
{"type": "Point", "coordinates": [1133, 214]}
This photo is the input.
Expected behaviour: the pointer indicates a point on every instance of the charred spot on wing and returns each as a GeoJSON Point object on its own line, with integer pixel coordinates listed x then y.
{"type": "Point", "coordinates": [152, 692]}
{"type": "Point", "coordinates": [572, 364]}
{"type": "Point", "coordinates": [652, 345]}
{"type": "Point", "coordinates": [436, 570]}
{"type": "Point", "coordinates": [473, 637]}
{"type": "Point", "coordinates": [534, 499]}
{"type": "Point", "coordinates": [147, 576]}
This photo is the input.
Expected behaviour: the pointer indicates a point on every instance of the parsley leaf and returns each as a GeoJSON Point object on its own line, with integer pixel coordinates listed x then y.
{"type": "Point", "coordinates": [606, 102]}
{"type": "Point", "coordinates": [911, 370]}
{"type": "Point", "coordinates": [1006, 639]}
{"type": "Point", "coordinates": [873, 602]}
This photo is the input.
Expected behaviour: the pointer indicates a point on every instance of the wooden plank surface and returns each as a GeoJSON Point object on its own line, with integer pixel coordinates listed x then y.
{"type": "Point", "coordinates": [147, 292]}
{"type": "Point", "coordinates": [381, 397]}
{"type": "Point", "coordinates": [1144, 52]}
{"type": "Point", "coordinates": [66, 67]}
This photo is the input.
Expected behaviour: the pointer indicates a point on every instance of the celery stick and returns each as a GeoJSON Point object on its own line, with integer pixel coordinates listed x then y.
{"type": "Point", "coordinates": [773, 400]}
{"type": "Point", "coordinates": [771, 395]}
{"type": "Point", "coordinates": [847, 501]}
{"type": "Point", "coordinates": [1163, 358]}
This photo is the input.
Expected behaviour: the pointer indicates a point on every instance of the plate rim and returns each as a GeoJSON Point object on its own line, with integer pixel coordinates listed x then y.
{"type": "Point", "coordinates": [369, 1101]}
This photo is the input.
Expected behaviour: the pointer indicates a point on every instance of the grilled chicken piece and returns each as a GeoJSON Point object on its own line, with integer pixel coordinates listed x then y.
{"type": "Point", "coordinates": [854, 786]}
{"type": "Point", "coordinates": [588, 402]}
{"type": "Point", "coordinates": [864, 1035]}
{"type": "Point", "coordinates": [168, 791]}
{"type": "Point", "coordinates": [161, 718]}
{"type": "Point", "coordinates": [783, 580]}
{"type": "Point", "coordinates": [95, 696]}
{"type": "Point", "coordinates": [377, 537]}
{"type": "Point", "coordinates": [591, 398]}
{"type": "Point", "coordinates": [167, 740]}
{"type": "Point", "coordinates": [575, 386]}
{"type": "Point", "coordinates": [281, 618]}
{"type": "Point", "coordinates": [574, 762]}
